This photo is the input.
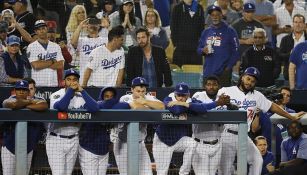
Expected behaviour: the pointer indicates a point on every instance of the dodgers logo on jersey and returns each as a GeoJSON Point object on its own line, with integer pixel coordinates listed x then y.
{"type": "Point", "coordinates": [87, 49]}
{"type": "Point", "coordinates": [106, 64]}
{"type": "Point", "coordinates": [47, 56]}
{"type": "Point", "coordinates": [244, 104]}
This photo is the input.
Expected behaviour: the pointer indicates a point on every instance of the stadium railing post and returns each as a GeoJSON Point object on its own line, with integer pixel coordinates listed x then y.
{"type": "Point", "coordinates": [21, 148]}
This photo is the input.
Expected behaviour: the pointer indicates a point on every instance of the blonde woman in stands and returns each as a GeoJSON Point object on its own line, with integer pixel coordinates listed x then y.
{"type": "Point", "coordinates": [78, 14]}
{"type": "Point", "coordinates": [153, 24]}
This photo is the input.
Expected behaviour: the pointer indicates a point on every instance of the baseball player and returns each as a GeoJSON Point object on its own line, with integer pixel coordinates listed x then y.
{"type": "Point", "coordinates": [207, 156]}
{"type": "Point", "coordinates": [107, 62]}
{"type": "Point", "coordinates": [95, 138]}
{"type": "Point", "coordinates": [85, 45]}
{"type": "Point", "coordinates": [246, 98]}
{"type": "Point", "coordinates": [20, 100]}
{"type": "Point", "coordinates": [171, 138]}
{"type": "Point", "coordinates": [62, 141]}
{"type": "Point", "coordinates": [45, 57]}
{"type": "Point", "coordinates": [137, 100]}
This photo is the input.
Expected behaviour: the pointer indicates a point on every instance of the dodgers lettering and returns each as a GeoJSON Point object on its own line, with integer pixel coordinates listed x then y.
{"type": "Point", "coordinates": [48, 56]}
{"type": "Point", "coordinates": [87, 49]}
{"type": "Point", "coordinates": [106, 64]}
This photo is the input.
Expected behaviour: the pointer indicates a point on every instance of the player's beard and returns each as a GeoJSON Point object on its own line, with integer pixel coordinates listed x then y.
{"type": "Point", "coordinates": [246, 90]}
{"type": "Point", "coordinates": [212, 95]}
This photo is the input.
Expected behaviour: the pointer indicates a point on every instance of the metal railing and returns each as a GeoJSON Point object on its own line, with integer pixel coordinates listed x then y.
{"type": "Point", "coordinates": [133, 117]}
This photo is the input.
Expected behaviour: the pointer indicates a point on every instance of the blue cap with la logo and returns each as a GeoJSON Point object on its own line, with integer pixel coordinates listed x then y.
{"type": "Point", "coordinates": [182, 88]}
{"type": "Point", "coordinates": [71, 72]}
{"type": "Point", "coordinates": [139, 81]}
{"type": "Point", "coordinates": [22, 84]}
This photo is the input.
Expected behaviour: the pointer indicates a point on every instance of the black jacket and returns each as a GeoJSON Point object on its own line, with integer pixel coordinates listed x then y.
{"type": "Point", "coordinates": [286, 46]}
{"type": "Point", "coordinates": [134, 65]}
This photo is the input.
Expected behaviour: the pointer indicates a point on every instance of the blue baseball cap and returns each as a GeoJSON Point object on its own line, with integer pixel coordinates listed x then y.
{"type": "Point", "coordinates": [249, 7]}
{"type": "Point", "coordinates": [71, 72]}
{"type": "Point", "coordinates": [214, 8]}
{"type": "Point", "coordinates": [139, 81]}
{"type": "Point", "coordinates": [182, 88]}
{"type": "Point", "coordinates": [14, 1]}
{"type": "Point", "coordinates": [252, 71]}
{"type": "Point", "coordinates": [11, 40]}
{"type": "Point", "coordinates": [22, 84]}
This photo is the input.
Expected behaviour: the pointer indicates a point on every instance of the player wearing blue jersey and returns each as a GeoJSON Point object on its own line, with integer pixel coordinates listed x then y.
{"type": "Point", "coordinates": [62, 141]}
{"type": "Point", "coordinates": [268, 157]}
{"type": "Point", "coordinates": [293, 151]}
{"type": "Point", "coordinates": [171, 138]}
{"type": "Point", "coordinates": [20, 100]}
{"type": "Point", "coordinates": [95, 138]}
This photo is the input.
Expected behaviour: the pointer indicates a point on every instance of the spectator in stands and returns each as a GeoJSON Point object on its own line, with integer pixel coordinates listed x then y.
{"type": "Point", "coordinates": [297, 67]}
{"type": "Point", "coordinates": [268, 157]}
{"type": "Point", "coordinates": [220, 45]}
{"type": "Point", "coordinates": [108, 7]}
{"type": "Point", "coordinates": [85, 45]}
{"type": "Point", "coordinates": [158, 35]}
{"type": "Point", "coordinates": [141, 7]}
{"type": "Point", "coordinates": [288, 42]}
{"type": "Point", "coordinates": [12, 66]}
{"type": "Point", "coordinates": [125, 16]}
{"type": "Point", "coordinates": [164, 8]}
{"type": "Point", "coordinates": [20, 100]}
{"type": "Point", "coordinates": [284, 19]}
{"type": "Point", "coordinates": [45, 57]}
{"type": "Point", "coordinates": [245, 27]}
{"type": "Point", "coordinates": [187, 23]}
{"type": "Point", "coordinates": [262, 57]}
{"type": "Point", "coordinates": [148, 61]}
{"type": "Point", "coordinates": [95, 138]}
{"type": "Point", "coordinates": [3, 35]}
{"type": "Point", "coordinates": [237, 6]}
{"type": "Point", "coordinates": [293, 151]}
{"type": "Point", "coordinates": [107, 62]}
{"type": "Point", "coordinates": [24, 20]}
{"type": "Point", "coordinates": [139, 99]}
{"type": "Point", "coordinates": [228, 14]}
{"type": "Point", "coordinates": [265, 14]}
{"type": "Point", "coordinates": [62, 141]}
{"type": "Point", "coordinates": [77, 15]}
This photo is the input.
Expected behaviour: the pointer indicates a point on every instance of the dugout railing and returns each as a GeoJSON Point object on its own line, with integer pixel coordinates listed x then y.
{"type": "Point", "coordinates": [133, 118]}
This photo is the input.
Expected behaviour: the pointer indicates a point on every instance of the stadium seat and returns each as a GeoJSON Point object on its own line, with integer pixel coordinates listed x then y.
{"type": "Point", "coordinates": [192, 68]}
{"type": "Point", "coordinates": [194, 80]}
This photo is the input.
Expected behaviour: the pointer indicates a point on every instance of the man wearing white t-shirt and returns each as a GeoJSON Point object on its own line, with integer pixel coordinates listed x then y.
{"type": "Point", "coordinates": [85, 45]}
{"type": "Point", "coordinates": [246, 98]}
{"type": "Point", "coordinates": [45, 57]}
{"type": "Point", "coordinates": [107, 62]}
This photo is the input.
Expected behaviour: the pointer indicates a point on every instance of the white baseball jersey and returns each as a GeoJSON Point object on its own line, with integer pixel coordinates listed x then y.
{"type": "Point", "coordinates": [246, 102]}
{"type": "Point", "coordinates": [129, 99]}
{"type": "Point", "coordinates": [105, 66]}
{"type": "Point", "coordinates": [77, 102]}
{"type": "Point", "coordinates": [206, 132]}
{"type": "Point", "coordinates": [85, 46]}
{"type": "Point", "coordinates": [36, 52]}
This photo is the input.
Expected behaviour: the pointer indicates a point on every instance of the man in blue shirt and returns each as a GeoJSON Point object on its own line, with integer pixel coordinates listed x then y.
{"type": "Point", "coordinates": [293, 151]}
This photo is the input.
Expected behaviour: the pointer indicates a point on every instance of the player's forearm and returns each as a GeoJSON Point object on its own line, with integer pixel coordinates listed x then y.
{"type": "Point", "coordinates": [86, 76]}
{"type": "Point", "coordinates": [278, 110]}
{"type": "Point", "coordinates": [155, 105]}
{"type": "Point", "coordinates": [12, 79]}
{"type": "Point", "coordinates": [292, 75]}
{"type": "Point", "coordinates": [38, 65]}
{"type": "Point", "coordinates": [90, 104]}
{"type": "Point", "coordinates": [75, 37]}
{"type": "Point", "coordinates": [38, 107]}
{"type": "Point", "coordinates": [57, 65]}
{"type": "Point", "coordinates": [120, 78]}
{"type": "Point", "coordinates": [293, 162]}
{"type": "Point", "coordinates": [255, 124]}
{"type": "Point", "coordinates": [25, 35]}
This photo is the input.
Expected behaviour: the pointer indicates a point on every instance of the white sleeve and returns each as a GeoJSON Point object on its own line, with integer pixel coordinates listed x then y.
{"type": "Point", "coordinates": [263, 103]}
{"type": "Point", "coordinates": [32, 53]}
{"type": "Point", "coordinates": [93, 62]}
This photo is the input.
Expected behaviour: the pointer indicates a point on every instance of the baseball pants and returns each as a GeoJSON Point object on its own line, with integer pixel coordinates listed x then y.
{"type": "Point", "coordinates": [92, 164]}
{"type": "Point", "coordinates": [62, 154]}
{"type": "Point", "coordinates": [9, 161]}
{"type": "Point", "coordinates": [206, 159]}
{"type": "Point", "coordinates": [120, 152]}
{"type": "Point", "coordinates": [163, 154]}
{"type": "Point", "coordinates": [229, 150]}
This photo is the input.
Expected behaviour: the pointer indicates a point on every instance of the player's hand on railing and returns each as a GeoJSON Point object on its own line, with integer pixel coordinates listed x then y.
{"type": "Point", "coordinates": [299, 115]}
{"type": "Point", "coordinates": [179, 103]}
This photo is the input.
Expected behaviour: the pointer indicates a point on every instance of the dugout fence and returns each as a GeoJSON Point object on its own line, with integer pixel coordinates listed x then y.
{"type": "Point", "coordinates": [133, 118]}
